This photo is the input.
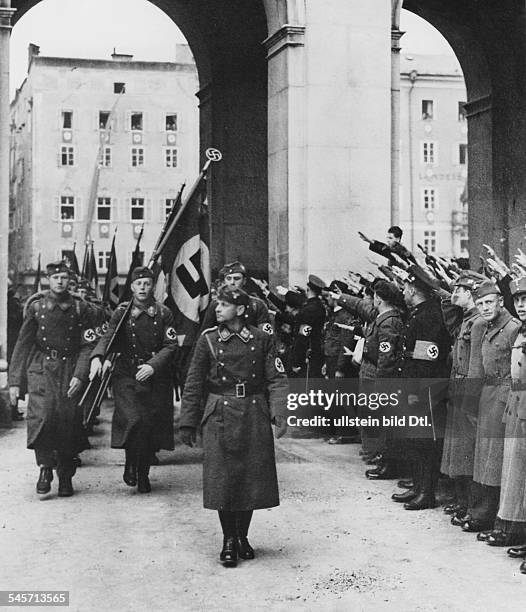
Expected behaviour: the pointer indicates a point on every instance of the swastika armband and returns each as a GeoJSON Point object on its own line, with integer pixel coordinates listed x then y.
{"type": "Point", "coordinates": [279, 365]}
{"type": "Point", "coordinates": [171, 333]}
{"type": "Point", "coordinates": [305, 330]}
{"type": "Point", "coordinates": [90, 335]}
{"type": "Point", "coordinates": [267, 328]}
{"type": "Point", "coordinates": [426, 351]}
{"type": "Point", "coordinates": [385, 347]}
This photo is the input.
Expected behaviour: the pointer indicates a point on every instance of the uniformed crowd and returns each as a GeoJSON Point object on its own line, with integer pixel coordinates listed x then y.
{"type": "Point", "coordinates": [451, 340]}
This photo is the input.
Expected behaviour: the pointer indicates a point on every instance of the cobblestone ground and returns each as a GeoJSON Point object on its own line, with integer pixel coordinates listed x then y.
{"type": "Point", "coordinates": [337, 542]}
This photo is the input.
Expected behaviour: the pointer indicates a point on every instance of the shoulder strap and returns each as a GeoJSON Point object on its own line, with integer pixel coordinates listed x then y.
{"type": "Point", "coordinates": [211, 347]}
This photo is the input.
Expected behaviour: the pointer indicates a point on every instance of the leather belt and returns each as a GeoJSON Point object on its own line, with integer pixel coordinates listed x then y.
{"type": "Point", "coordinates": [239, 390]}
{"type": "Point", "coordinates": [54, 354]}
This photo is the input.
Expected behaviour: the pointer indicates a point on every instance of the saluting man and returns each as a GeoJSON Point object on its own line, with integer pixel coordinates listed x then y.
{"type": "Point", "coordinates": [233, 371]}
{"type": "Point", "coordinates": [142, 379]}
{"type": "Point", "coordinates": [54, 346]}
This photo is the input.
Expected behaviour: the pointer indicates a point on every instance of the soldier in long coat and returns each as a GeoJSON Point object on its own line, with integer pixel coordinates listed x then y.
{"type": "Point", "coordinates": [459, 439]}
{"type": "Point", "coordinates": [142, 379]}
{"type": "Point", "coordinates": [53, 349]}
{"type": "Point", "coordinates": [497, 341]}
{"type": "Point", "coordinates": [238, 378]}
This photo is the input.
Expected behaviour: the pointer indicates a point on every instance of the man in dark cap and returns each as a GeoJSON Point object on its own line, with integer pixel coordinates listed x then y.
{"type": "Point", "coordinates": [235, 275]}
{"type": "Point", "coordinates": [462, 407]}
{"type": "Point", "coordinates": [426, 345]}
{"type": "Point", "coordinates": [238, 378]}
{"type": "Point", "coordinates": [142, 380]}
{"type": "Point", "coordinates": [493, 369]}
{"type": "Point", "coordinates": [307, 353]}
{"type": "Point", "coordinates": [53, 346]}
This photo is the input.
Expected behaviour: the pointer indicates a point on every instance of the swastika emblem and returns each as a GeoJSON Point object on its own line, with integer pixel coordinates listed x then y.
{"type": "Point", "coordinates": [279, 365]}
{"type": "Point", "coordinates": [214, 155]}
{"type": "Point", "coordinates": [90, 335]}
{"type": "Point", "coordinates": [305, 330]}
{"type": "Point", "coordinates": [170, 333]}
{"type": "Point", "coordinates": [432, 351]}
{"type": "Point", "coordinates": [267, 328]}
{"type": "Point", "coordinates": [385, 347]}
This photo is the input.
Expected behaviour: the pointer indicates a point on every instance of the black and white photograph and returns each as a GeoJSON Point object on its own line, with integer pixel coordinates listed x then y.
{"type": "Point", "coordinates": [263, 305]}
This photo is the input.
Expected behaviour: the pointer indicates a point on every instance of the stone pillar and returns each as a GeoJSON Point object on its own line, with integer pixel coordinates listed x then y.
{"type": "Point", "coordinates": [5, 32]}
{"type": "Point", "coordinates": [396, 35]}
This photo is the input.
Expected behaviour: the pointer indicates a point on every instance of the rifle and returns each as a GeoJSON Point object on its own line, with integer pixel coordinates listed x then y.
{"type": "Point", "coordinates": [94, 393]}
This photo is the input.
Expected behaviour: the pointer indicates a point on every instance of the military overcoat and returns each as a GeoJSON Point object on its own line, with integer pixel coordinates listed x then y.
{"type": "Point", "coordinates": [242, 385]}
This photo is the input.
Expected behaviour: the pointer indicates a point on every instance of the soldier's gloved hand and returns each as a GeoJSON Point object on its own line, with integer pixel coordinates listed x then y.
{"type": "Point", "coordinates": [280, 426]}
{"type": "Point", "coordinates": [412, 399]}
{"type": "Point", "coordinates": [187, 435]}
{"type": "Point", "coordinates": [94, 368]}
{"type": "Point", "coordinates": [14, 394]}
{"type": "Point", "coordinates": [144, 372]}
{"type": "Point", "coordinates": [74, 386]}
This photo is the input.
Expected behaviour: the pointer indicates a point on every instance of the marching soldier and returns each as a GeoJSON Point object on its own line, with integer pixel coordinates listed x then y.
{"type": "Point", "coordinates": [142, 380]}
{"type": "Point", "coordinates": [497, 341]}
{"type": "Point", "coordinates": [307, 353]}
{"type": "Point", "coordinates": [235, 275]}
{"type": "Point", "coordinates": [459, 440]}
{"type": "Point", "coordinates": [426, 345]}
{"type": "Point", "coordinates": [54, 345]}
{"type": "Point", "coordinates": [233, 371]}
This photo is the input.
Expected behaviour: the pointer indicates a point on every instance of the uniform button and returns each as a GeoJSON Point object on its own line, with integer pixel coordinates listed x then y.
{"type": "Point", "coordinates": [43, 327]}
{"type": "Point", "coordinates": [44, 339]}
{"type": "Point", "coordinates": [220, 350]}
{"type": "Point", "coordinates": [253, 401]}
{"type": "Point", "coordinates": [223, 378]}
{"type": "Point", "coordinates": [254, 361]}
{"type": "Point", "coordinates": [63, 359]}
{"type": "Point", "coordinates": [225, 403]}
{"type": "Point", "coordinates": [251, 336]}
{"type": "Point", "coordinates": [252, 348]}
{"type": "Point", "coordinates": [253, 376]}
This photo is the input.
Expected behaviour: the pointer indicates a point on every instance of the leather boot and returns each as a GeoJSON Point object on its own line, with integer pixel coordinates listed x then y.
{"type": "Point", "coordinates": [384, 471]}
{"type": "Point", "coordinates": [405, 483]}
{"type": "Point", "coordinates": [406, 496]}
{"type": "Point", "coordinates": [421, 502]}
{"type": "Point", "coordinates": [44, 480]}
{"type": "Point", "coordinates": [130, 469]}
{"type": "Point", "coordinates": [65, 485]}
{"type": "Point", "coordinates": [143, 482]}
{"type": "Point", "coordinates": [244, 550]}
{"type": "Point", "coordinates": [228, 555]}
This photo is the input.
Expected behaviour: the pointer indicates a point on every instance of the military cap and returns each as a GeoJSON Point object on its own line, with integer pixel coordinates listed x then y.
{"type": "Point", "coordinates": [234, 296]}
{"type": "Point", "coordinates": [294, 299]}
{"type": "Point", "coordinates": [57, 267]}
{"type": "Point", "coordinates": [141, 272]}
{"type": "Point", "coordinates": [338, 285]}
{"type": "Point", "coordinates": [316, 284]}
{"type": "Point", "coordinates": [233, 268]}
{"type": "Point", "coordinates": [485, 288]}
{"type": "Point", "coordinates": [469, 279]}
{"type": "Point", "coordinates": [420, 278]}
{"type": "Point", "coordinates": [518, 285]}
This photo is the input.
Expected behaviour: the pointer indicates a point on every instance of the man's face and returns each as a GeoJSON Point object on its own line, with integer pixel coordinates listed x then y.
{"type": "Point", "coordinates": [58, 283]}
{"type": "Point", "coordinates": [409, 293]}
{"type": "Point", "coordinates": [461, 297]}
{"type": "Point", "coordinates": [391, 239]}
{"type": "Point", "coordinates": [489, 306]}
{"type": "Point", "coordinates": [72, 286]}
{"type": "Point", "coordinates": [225, 311]}
{"type": "Point", "coordinates": [519, 302]}
{"type": "Point", "coordinates": [236, 280]}
{"type": "Point", "coordinates": [83, 293]}
{"type": "Point", "coordinates": [142, 289]}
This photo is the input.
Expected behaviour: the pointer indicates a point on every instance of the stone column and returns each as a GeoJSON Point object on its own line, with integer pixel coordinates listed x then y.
{"type": "Point", "coordinates": [396, 35]}
{"type": "Point", "coordinates": [5, 32]}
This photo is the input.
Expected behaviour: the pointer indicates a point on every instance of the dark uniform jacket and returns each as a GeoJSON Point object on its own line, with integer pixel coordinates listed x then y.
{"type": "Point", "coordinates": [308, 340]}
{"type": "Point", "coordinates": [147, 337]}
{"type": "Point", "coordinates": [242, 385]}
{"type": "Point", "coordinates": [53, 347]}
{"type": "Point", "coordinates": [256, 314]}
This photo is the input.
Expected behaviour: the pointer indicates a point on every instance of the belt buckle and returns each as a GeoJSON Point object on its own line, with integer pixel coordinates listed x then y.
{"type": "Point", "coordinates": [240, 390]}
{"type": "Point", "coordinates": [53, 354]}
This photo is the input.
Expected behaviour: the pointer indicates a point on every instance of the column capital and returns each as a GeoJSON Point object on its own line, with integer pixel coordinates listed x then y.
{"type": "Point", "coordinates": [5, 17]}
{"type": "Point", "coordinates": [287, 36]}
{"type": "Point", "coordinates": [396, 35]}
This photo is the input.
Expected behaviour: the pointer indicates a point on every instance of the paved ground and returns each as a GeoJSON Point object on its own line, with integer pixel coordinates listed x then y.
{"type": "Point", "coordinates": [337, 542]}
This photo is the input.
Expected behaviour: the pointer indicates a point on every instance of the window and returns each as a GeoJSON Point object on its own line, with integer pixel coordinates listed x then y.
{"type": "Point", "coordinates": [67, 120]}
{"type": "Point", "coordinates": [103, 209]}
{"type": "Point", "coordinates": [427, 109]}
{"type": "Point", "coordinates": [171, 157]}
{"type": "Point", "coordinates": [171, 123]}
{"type": "Point", "coordinates": [105, 157]}
{"type": "Point", "coordinates": [429, 198]}
{"type": "Point", "coordinates": [137, 209]}
{"type": "Point", "coordinates": [136, 122]}
{"type": "Point", "coordinates": [461, 111]}
{"type": "Point", "coordinates": [430, 241]}
{"type": "Point", "coordinates": [66, 156]}
{"type": "Point", "coordinates": [463, 154]}
{"type": "Point", "coordinates": [67, 208]}
{"type": "Point", "coordinates": [464, 241]}
{"type": "Point", "coordinates": [104, 260]}
{"type": "Point", "coordinates": [137, 156]}
{"type": "Point", "coordinates": [104, 117]}
{"type": "Point", "coordinates": [429, 150]}
{"type": "Point", "coordinates": [119, 87]}
{"type": "Point", "coordinates": [169, 203]}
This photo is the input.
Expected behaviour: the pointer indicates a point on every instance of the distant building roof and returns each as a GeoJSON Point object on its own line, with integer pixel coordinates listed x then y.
{"type": "Point", "coordinates": [430, 65]}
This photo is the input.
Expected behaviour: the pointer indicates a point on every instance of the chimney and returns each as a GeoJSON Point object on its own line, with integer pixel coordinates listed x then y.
{"type": "Point", "coordinates": [121, 57]}
{"type": "Point", "coordinates": [32, 51]}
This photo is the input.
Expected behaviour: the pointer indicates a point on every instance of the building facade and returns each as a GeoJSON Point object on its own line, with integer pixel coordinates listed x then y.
{"type": "Point", "coordinates": [434, 156]}
{"type": "Point", "coordinates": [96, 146]}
